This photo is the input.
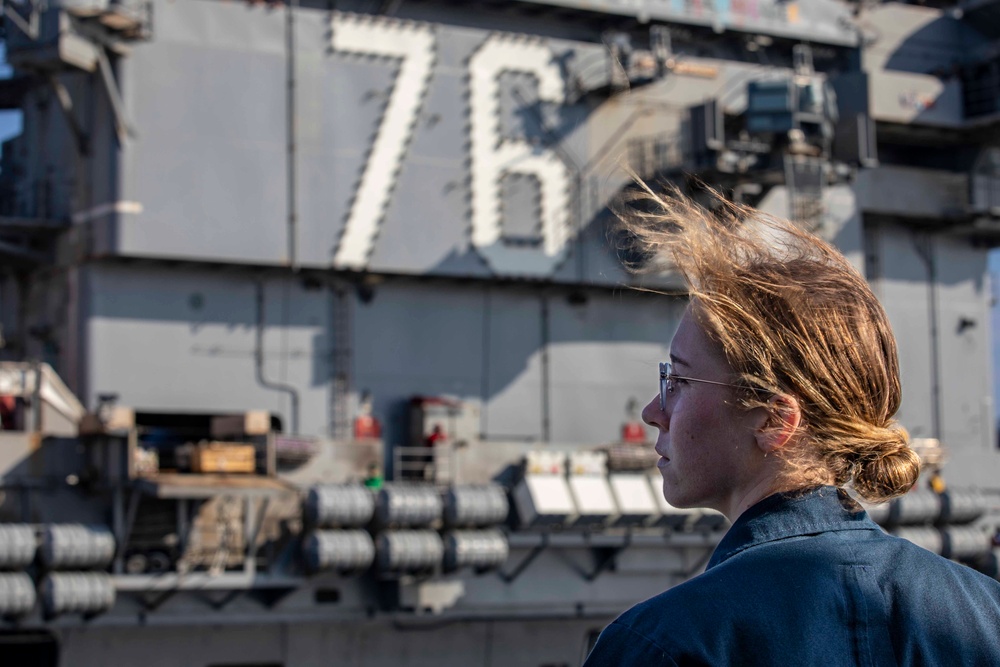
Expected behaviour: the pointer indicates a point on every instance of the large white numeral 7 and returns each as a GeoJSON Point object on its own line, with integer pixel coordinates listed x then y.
{"type": "Point", "coordinates": [414, 46]}
{"type": "Point", "coordinates": [494, 157]}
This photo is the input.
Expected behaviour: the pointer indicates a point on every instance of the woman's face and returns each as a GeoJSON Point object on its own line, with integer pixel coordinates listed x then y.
{"type": "Point", "coordinates": [706, 441]}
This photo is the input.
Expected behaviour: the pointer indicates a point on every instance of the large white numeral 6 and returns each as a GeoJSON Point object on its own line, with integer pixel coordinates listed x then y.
{"type": "Point", "coordinates": [493, 158]}
{"type": "Point", "coordinates": [414, 46]}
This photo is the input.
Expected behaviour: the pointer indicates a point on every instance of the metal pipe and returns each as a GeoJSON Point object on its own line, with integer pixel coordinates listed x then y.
{"type": "Point", "coordinates": [292, 392]}
{"type": "Point", "coordinates": [148, 583]}
{"type": "Point", "coordinates": [28, 27]}
{"type": "Point", "coordinates": [340, 363]}
{"type": "Point", "coordinates": [546, 417]}
{"type": "Point", "coordinates": [122, 129]}
{"type": "Point", "coordinates": [36, 397]}
{"type": "Point", "coordinates": [291, 128]}
{"type": "Point", "coordinates": [485, 385]}
{"type": "Point", "coordinates": [66, 105]}
{"type": "Point", "coordinates": [925, 250]}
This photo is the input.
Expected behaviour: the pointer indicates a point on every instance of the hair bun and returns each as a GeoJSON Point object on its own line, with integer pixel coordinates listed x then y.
{"type": "Point", "coordinates": [889, 469]}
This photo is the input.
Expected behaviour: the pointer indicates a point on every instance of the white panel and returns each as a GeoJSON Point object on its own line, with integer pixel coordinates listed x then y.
{"type": "Point", "coordinates": [593, 497]}
{"type": "Point", "coordinates": [550, 494]}
{"type": "Point", "coordinates": [632, 495]}
{"type": "Point", "coordinates": [543, 500]}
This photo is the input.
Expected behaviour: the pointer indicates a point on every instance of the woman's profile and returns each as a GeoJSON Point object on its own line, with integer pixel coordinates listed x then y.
{"type": "Point", "coordinates": [777, 400]}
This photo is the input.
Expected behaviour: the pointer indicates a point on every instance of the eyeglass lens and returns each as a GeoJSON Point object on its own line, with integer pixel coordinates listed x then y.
{"type": "Point", "coordinates": [666, 384]}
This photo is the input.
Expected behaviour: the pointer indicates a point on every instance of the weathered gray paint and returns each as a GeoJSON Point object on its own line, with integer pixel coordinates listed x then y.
{"type": "Point", "coordinates": [549, 361]}
{"type": "Point", "coordinates": [499, 643]}
{"type": "Point", "coordinates": [185, 342]}
{"type": "Point", "coordinates": [484, 345]}
{"type": "Point", "coordinates": [225, 156]}
{"type": "Point", "coordinates": [153, 344]}
{"type": "Point", "coordinates": [821, 21]}
{"type": "Point", "coordinates": [959, 291]}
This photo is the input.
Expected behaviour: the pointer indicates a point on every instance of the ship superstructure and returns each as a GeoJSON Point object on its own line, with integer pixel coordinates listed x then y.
{"type": "Point", "coordinates": [319, 345]}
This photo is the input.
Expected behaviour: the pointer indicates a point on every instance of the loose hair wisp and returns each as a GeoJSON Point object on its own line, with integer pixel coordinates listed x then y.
{"type": "Point", "coordinates": [793, 317]}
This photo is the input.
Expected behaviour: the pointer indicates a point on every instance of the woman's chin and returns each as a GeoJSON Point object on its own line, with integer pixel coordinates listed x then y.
{"type": "Point", "coordinates": [671, 494]}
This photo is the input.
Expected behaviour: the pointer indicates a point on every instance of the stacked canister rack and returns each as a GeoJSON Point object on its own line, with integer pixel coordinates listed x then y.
{"type": "Point", "coordinates": [945, 523]}
{"type": "Point", "coordinates": [18, 545]}
{"type": "Point", "coordinates": [60, 564]}
{"type": "Point", "coordinates": [411, 528]}
{"type": "Point", "coordinates": [405, 528]}
{"type": "Point", "coordinates": [416, 528]}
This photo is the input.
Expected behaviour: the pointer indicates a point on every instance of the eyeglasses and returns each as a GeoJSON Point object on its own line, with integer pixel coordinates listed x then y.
{"type": "Point", "coordinates": [668, 382]}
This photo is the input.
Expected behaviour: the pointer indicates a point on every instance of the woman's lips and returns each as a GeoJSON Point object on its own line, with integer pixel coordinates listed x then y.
{"type": "Point", "coordinates": [663, 460]}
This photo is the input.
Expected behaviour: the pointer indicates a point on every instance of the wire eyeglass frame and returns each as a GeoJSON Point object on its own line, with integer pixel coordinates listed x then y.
{"type": "Point", "coordinates": [668, 382]}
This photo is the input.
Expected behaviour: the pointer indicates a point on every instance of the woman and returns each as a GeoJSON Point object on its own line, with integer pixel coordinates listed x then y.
{"type": "Point", "coordinates": [780, 392]}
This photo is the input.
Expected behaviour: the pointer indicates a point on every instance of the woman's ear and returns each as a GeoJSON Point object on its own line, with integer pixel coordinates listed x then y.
{"type": "Point", "coordinates": [783, 418]}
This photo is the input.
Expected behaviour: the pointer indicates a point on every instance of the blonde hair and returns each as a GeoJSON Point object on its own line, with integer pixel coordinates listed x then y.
{"type": "Point", "coordinates": [793, 317]}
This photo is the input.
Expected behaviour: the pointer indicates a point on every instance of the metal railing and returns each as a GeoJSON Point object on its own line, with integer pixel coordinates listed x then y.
{"type": "Point", "coordinates": [424, 464]}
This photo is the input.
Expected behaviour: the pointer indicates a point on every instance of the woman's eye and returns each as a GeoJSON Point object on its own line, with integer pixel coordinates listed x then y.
{"type": "Point", "coordinates": [679, 380]}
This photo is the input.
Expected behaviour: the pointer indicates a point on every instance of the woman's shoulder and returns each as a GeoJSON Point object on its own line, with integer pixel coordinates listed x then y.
{"type": "Point", "coordinates": [914, 568]}
{"type": "Point", "coordinates": [659, 629]}
{"type": "Point", "coordinates": [706, 598]}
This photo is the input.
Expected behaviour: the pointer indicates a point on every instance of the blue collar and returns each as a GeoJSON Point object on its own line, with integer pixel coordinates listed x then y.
{"type": "Point", "coordinates": [783, 515]}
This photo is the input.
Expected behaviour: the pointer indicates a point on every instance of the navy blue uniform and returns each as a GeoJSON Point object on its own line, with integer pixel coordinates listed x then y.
{"type": "Point", "coordinates": [809, 579]}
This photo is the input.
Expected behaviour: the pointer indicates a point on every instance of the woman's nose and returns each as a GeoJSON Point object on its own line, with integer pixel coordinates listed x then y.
{"type": "Point", "coordinates": [653, 415]}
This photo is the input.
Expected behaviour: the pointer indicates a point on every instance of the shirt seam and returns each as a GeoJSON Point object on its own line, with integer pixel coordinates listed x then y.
{"type": "Point", "coordinates": [817, 529]}
{"type": "Point", "coordinates": [858, 570]}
